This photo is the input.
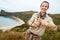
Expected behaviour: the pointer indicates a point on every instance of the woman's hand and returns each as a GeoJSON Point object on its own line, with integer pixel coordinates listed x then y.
{"type": "Point", "coordinates": [36, 22]}
{"type": "Point", "coordinates": [30, 24]}
{"type": "Point", "coordinates": [43, 22]}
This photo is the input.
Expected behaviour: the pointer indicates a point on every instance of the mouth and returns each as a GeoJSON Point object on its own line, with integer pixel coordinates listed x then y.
{"type": "Point", "coordinates": [44, 9]}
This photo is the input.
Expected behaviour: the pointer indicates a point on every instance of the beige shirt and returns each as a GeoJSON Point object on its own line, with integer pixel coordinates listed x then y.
{"type": "Point", "coordinates": [40, 30]}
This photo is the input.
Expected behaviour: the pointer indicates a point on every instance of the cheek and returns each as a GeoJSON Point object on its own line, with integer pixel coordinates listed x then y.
{"type": "Point", "coordinates": [43, 9]}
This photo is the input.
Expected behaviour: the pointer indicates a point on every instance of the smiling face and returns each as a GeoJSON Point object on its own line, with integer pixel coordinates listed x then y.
{"type": "Point", "coordinates": [44, 6]}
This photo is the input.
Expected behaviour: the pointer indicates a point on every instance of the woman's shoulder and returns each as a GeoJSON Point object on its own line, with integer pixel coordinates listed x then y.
{"type": "Point", "coordinates": [35, 14]}
{"type": "Point", "coordinates": [48, 16]}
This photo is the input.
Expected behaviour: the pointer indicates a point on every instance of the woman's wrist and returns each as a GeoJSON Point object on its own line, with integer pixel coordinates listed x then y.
{"type": "Point", "coordinates": [33, 25]}
{"type": "Point", "coordinates": [48, 25]}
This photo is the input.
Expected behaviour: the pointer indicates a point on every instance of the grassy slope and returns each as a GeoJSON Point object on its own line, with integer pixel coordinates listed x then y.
{"type": "Point", "coordinates": [15, 34]}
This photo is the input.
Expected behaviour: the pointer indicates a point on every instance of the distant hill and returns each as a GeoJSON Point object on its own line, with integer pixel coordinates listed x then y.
{"type": "Point", "coordinates": [27, 15]}
{"type": "Point", "coordinates": [56, 18]}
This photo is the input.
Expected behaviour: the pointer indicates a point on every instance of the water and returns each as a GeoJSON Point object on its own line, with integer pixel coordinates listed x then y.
{"type": "Point", "coordinates": [8, 22]}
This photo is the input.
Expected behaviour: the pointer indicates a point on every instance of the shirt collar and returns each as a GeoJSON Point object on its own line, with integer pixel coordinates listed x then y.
{"type": "Point", "coordinates": [42, 16]}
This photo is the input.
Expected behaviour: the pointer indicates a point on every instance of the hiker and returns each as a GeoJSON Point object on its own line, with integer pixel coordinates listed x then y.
{"type": "Point", "coordinates": [39, 22]}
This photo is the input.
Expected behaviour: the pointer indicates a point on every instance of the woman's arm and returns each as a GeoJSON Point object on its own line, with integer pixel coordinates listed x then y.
{"type": "Point", "coordinates": [52, 25]}
{"type": "Point", "coordinates": [32, 19]}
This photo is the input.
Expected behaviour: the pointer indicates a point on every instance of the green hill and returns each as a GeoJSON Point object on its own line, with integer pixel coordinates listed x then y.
{"type": "Point", "coordinates": [56, 18]}
{"type": "Point", "coordinates": [16, 33]}
{"type": "Point", "coordinates": [26, 15]}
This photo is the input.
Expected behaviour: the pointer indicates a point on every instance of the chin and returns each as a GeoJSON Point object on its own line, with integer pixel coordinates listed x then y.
{"type": "Point", "coordinates": [43, 11]}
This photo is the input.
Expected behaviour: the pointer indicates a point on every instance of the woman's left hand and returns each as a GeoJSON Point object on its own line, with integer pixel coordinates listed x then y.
{"type": "Point", "coordinates": [43, 22]}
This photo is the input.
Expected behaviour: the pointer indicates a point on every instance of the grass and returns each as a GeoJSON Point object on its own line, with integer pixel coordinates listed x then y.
{"type": "Point", "coordinates": [19, 35]}
{"type": "Point", "coordinates": [11, 35]}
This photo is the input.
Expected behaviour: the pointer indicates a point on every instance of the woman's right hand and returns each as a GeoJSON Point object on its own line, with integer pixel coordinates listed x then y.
{"type": "Point", "coordinates": [36, 23]}
{"type": "Point", "coordinates": [30, 24]}
{"type": "Point", "coordinates": [33, 25]}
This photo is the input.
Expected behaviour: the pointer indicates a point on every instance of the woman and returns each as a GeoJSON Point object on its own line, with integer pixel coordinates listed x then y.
{"type": "Point", "coordinates": [39, 22]}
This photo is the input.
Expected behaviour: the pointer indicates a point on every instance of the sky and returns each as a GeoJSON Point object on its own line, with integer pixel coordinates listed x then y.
{"type": "Point", "coordinates": [27, 5]}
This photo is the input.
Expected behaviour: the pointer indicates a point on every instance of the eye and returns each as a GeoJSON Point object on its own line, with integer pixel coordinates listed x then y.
{"type": "Point", "coordinates": [42, 6]}
{"type": "Point", "coordinates": [46, 6]}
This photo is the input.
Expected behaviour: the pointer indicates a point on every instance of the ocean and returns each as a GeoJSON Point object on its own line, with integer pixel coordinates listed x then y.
{"type": "Point", "coordinates": [8, 22]}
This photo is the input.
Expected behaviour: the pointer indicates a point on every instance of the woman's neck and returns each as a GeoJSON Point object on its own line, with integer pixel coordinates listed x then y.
{"type": "Point", "coordinates": [42, 15]}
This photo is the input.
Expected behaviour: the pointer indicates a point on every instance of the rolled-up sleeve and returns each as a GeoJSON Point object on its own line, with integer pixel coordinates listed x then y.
{"type": "Point", "coordinates": [52, 23]}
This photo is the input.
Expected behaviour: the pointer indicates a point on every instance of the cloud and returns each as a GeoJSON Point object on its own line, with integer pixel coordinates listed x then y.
{"type": "Point", "coordinates": [24, 5]}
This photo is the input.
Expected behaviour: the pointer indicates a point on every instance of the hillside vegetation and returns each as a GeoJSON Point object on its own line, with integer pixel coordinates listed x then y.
{"type": "Point", "coordinates": [17, 33]}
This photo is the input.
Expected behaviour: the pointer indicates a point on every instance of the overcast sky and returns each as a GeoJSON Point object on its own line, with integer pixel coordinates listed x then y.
{"type": "Point", "coordinates": [26, 5]}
